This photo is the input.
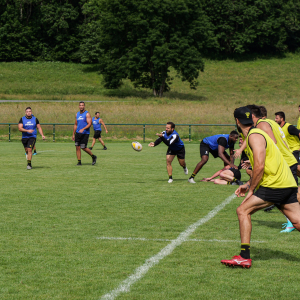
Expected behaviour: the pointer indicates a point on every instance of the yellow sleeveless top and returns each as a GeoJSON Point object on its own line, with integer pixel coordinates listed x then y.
{"type": "Point", "coordinates": [298, 123]}
{"type": "Point", "coordinates": [277, 174]}
{"type": "Point", "coordinates": [280, 138]}
{"type": "Point", "coordinates": [292, 140]}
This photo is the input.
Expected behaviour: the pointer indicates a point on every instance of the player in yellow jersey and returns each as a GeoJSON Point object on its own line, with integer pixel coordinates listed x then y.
{"type": "Point", "coordinates": [276, 134]}
{"type": "Point", "coordinates": [292, 135]}
{"type": "Point", "coordinates": [271, 178]}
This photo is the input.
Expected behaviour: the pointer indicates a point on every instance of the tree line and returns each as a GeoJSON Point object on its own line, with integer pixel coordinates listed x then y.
{"type": "Point", "coordinates": [141, 40]}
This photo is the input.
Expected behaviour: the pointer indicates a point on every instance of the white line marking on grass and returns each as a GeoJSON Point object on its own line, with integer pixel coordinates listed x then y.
{"type": "Point", "coordinates": [168, 240]}
{"type": "Point", "coordinates": [139, 273]}
{"type": "Point", "coordinates": [45, 151]}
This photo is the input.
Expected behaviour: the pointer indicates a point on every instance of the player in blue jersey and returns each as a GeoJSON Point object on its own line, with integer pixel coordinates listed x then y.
{"type": "Point", "coordinates": [28, 125]}
{"type": "Point", "coordinates": [216, 145]}
{"type": "Point", "coordinates": [97, 121]}
{"type": "Point", "coordinates": [81, 132]}
{"type": "Point", "coordinates": [175, 148]}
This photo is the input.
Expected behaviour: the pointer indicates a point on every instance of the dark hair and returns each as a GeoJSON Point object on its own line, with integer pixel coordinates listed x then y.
{"type": "Point", "coordinates": [27, 108]}
{"type": "Point", "coordinates": [97, 112]}
{"type": "Point", "coordinates": [172, 124]}
{"type": "Point", "coordinates": [255, 110]}
{"type": "Point", "coordinates": [263, 111]}
{"type": "Point", "coordinates": [281, 114]}
{"type": "Point", "coordinates": [233, 132]}
{"type": "Point", "coordinates": [82, 102]}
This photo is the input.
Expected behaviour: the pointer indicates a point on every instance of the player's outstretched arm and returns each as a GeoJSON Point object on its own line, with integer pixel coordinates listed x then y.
{"type": "Point", "coordinates": [238, 152]}
{"type": "Point", "coordinates": [74, 129]}
{"type": "Point", "coordinates": [221, 150]}
{"type": "Point", "coordinates": [101, 121]}
{"type": "Point", "coordinates": [38, 126]}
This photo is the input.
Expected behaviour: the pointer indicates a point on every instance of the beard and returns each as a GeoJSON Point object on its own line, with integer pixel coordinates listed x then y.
{"type": "Point", "coordinates": [239, 129]}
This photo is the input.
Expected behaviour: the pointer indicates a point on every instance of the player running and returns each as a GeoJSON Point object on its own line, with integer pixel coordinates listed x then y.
{"type": "Point", "coordinates": [175, 148]}
{"type": "Point", "coordinates": [97, 121]}
{"type": "Point", "coordinates": [216, 145]}
{"type": "Point", "coordinates": [272, 179]}
{"type": "Point", "coordinates": [28, 125]}
{"type": "Point", "coordinates": [83, 122]}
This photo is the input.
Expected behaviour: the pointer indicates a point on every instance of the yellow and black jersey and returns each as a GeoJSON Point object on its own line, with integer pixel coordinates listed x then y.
{"type": "Point", "coordinates": [277, 174]}
{"type": "Point", "coordinates": [282, 143]}
{"type": "Point", "coordinates": [291, 137]}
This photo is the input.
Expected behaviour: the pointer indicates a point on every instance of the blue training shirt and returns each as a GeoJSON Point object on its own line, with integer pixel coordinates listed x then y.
{"type": "Point", "coordinates": [173, 140]}
{"type": "Point", "coordinates": [81, 122]}
{"type": "Point", "coordinates": [29, 124]}
{"type": "Point", "coordinates": [212, 141]}
{"type": "Point", "coordinates": [96, 124]}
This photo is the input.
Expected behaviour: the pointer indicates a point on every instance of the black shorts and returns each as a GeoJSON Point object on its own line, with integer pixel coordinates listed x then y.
{"type": "Point", "coordinates": [29, 142]}
{"type": "Point", "coordinates": [205, 150]}
{"type": "Point", "coordinates": [294, 171]}
{"type": "Point", "coordinates": [236, 173]}
{"type": "Point", "coordinates": [97, 134]}
{"type": "Point", "coordinates": [296, 154]}
{"type": "Point", "coordinates": [277, 196]}
{"type": "Point", "coordinates": [81, 140]}
{"type": "Point", "coordinates": [180, 153]}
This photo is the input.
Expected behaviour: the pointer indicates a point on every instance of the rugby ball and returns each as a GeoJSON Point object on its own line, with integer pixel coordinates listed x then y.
{"type": "Point", "coordinates": [137, 146]}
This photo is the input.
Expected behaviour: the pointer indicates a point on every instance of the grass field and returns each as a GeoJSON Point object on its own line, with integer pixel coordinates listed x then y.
{"type": "Point", "coordinates": [54, 219]}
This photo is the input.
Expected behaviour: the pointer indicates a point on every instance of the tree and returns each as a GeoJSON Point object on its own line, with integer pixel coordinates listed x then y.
{"type": "Point", "coordinates": [141, 40]}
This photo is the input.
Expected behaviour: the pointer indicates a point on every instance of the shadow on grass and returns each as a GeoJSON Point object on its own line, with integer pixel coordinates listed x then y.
{"type": "Point", "coordinates": [267, 254]}
{"type": "Point", "coordinates": [271, 224]}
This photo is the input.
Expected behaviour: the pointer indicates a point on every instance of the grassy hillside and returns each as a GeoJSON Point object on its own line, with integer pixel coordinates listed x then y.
{"type": "Point", "coordinates": [223, 86]}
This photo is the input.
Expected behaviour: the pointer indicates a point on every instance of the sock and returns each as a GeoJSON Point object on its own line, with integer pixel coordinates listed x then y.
{"type": "Point", "coordinates": [93, 156]}
{"type": "Point", "coordinates": [245, 251]}
{"type": "Point", "coordinates": [193, 175]}
{"type": "Point", "coordinates": [34, 151]}
{"type": "Point", "coordinates": [91, 148]}
{"type": "Point", "coordinates": [184, 168]}
{"type": "Point", "coordinates": [79, 161]}
{"type": "Point", "coordinates": [28, 162]}
{"type": "Point", "coordinates": [234, 179]}
{"type": "Point", "coordinates": [170, 177]}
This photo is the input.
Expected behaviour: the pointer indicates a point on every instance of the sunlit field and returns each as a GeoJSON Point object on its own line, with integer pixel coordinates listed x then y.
{"type": "Point", "coordinates": [71, 232]}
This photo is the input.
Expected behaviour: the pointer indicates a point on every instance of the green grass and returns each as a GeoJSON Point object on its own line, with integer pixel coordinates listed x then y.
{"type": "Point", "coordinates": [52, 215]}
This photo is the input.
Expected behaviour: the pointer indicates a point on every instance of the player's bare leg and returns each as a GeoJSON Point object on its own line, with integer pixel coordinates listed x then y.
{"type": "Point", "coordinates": [204, 159]}
{"type": "Point", "coordinates": [183, 164]}
{"type": "Point", "coordinates": [292, 211]}
{"type": "Point", "coordinates": [78, 153]}
{"type": "Point", "coordinates": [88, 151]}
{"type": "Point", "coordinates": [169, 167]}
{"type": "Point", "coordinates": [219, 181]}
{"type": "Point", "coordinates": [244, 212]}
{"type": "Point", "coordinates": [101, 141]}
{"type": "Point", "coordinates": [227, 175]}
{"type": "Point", "coordinates": [93, 143]}
{"type": "Point", "coordinates": [29, 157]}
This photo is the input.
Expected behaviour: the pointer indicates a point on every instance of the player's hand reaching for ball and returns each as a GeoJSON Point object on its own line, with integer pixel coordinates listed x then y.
{"type": "Point", "coordinates": [151, 144]}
